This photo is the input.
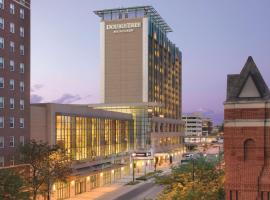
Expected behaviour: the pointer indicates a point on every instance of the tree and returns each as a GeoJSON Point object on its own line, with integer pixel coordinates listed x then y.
{"type": "Point", "coordinates": [48, 164]}
{"type": "Point", "coordinates": [197, 180]}
{"type": "Point", "coordinates": [12, 185]}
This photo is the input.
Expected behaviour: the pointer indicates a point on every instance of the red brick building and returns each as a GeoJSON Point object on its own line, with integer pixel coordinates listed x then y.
{"type": "Point", "coordinates": [247, 135]}
{"type": "Point", "coordinates": [14, 78]}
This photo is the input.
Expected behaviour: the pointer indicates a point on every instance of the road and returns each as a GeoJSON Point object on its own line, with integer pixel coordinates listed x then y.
{"type": "Point", "coordinates": [146, 191]}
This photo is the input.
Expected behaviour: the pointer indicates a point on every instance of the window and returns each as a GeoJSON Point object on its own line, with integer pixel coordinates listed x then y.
{"type": "Point", "coordinates": [21, 13]}
{"type": "Point", "coordinates": [1, 43]}
{"type": "Point", "coordinates": [1, 4]}
{"type": "Point", "coordinates": [21, 86]}
{"type": "Point", "coordinates": [21, 122]}
{"type": "Point", "coordinates": [12, 9]}
{"type": "Point", "coordinates": [21, 31]}
{"type": "Point", "coordinates": [11, 65]}
{"type": "Point", "coordinates": [2, 103]}
{"type": "Point", "coordinates": [11, 103]}
{"type": "Point", "coordinates": [1, 82]}
{"type": "Point", "coordinates": [2, 63]}
{"type": "Point", "coordinates": [22, 140]}
{"type": "Point", "coordinates": [11, 141]}
{"type": "Point", "coordinates": [11, 84]}
{"type": "Point", "coordinates": [1, 122]}
{"type": "Point", "coordinates": [21, 50]}
{"type": "Point", "coordinates": [21, 68]}
{"type": "Point", "coordinates": [2, 161]}
{"type": "Point", "coordinates": [11, 122]}
{"type": "Point", "coordinates": [12, 27]}
{"type": "Point", "coordinates": [21, 104]}
{"type": "Point", "coordinates": [2, 142]}
{"type": "Point", "coordinates": [12, 161]}
{"type": "Point", "coordinates": [11, 46]}
{"type": "Point", "coordinates": [2, 24]}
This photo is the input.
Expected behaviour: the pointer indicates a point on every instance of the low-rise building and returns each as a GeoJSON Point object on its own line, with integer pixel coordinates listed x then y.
{"type": "Point", "coordinates": [98, 142]}
{"type": "Point", "coordinates": [207, 126]}
{"type": "Point", "coordinates": [193, 124]}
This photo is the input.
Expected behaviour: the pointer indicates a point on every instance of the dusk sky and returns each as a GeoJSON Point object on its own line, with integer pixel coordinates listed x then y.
{"type": "Point", "coordinates": [215, 38]}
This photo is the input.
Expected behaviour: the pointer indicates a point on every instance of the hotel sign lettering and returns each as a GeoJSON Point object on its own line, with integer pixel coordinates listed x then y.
{"type": "Point", "coordinates": [123, 28]}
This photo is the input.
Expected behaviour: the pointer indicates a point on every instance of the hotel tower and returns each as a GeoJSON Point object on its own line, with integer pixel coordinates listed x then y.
{"type": "Point", "coordinates": [141, 72]}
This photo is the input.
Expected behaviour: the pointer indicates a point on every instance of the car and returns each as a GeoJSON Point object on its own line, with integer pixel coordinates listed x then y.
{"type": "Point", "coordinates": [188, 155]}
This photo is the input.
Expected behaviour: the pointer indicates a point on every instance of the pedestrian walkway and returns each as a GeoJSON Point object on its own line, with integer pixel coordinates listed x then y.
{"type": "Point", "coordinates": [115, 190]}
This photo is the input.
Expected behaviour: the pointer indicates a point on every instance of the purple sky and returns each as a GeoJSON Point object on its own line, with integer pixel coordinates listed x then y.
{"type": "Point", "coordinates": [215, 37]}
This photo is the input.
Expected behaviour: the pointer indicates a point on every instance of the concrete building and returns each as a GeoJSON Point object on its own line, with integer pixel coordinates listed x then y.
{"type": "Point", "coordinates": [246, 135]}
{"type": "Point", "coordinates": [207, 126]}
{"type": "Point", "coordinates": [142, 75]}
{"type": "Point", "coordinates": [98, 142]}
{"type": "Point", "coordinates": [14, 78]}
{"type": "Point", "coordinates": [193, 124]}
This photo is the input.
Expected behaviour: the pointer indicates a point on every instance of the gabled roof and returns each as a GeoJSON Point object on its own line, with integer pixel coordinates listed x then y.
{"type": "Point", "coordinates": [236, 83]}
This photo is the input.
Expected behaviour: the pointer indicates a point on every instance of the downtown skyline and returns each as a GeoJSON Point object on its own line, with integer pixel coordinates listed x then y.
{"type": "Point", "coordinates": [215, 39]}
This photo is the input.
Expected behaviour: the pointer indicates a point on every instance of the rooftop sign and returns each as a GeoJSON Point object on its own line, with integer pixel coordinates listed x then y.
{"type": "Point", "coordinates": [125, 27]}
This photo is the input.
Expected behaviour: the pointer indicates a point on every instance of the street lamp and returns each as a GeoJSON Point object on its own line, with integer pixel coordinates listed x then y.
{"type": "Point", "coordinates": [133, 167]}
{"type": "Point", "coordinates": [193, 176]}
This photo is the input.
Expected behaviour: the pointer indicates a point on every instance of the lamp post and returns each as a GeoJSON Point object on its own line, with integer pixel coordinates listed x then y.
{"type": "Point", "coordinates": [133, 167]}
{"type": "Point", "coordinates": [193, 176]}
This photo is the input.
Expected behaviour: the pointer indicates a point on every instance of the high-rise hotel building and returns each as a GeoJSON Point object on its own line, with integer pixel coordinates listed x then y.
{"type": "Point", "coordinates": [14, 77]}
{"type": "Point", "coordinates": [141, 74]}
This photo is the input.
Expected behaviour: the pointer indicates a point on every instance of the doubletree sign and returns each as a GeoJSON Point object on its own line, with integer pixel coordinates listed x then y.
{"type": "Point", "coordinates": [125, 27]}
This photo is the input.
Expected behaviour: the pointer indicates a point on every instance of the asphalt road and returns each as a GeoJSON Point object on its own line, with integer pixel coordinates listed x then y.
{"type": "Point", "coordinates": [148, 190]}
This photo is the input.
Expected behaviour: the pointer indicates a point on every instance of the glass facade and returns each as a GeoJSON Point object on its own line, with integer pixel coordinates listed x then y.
{"type": "Point", "coordinates": [142, 123]}
{"type": "Point", "coordinates": [62, 190]}
{"type": "Point", "coordinates": [164, 73]}
{"type": "Point", "coordinates": [91, 137]}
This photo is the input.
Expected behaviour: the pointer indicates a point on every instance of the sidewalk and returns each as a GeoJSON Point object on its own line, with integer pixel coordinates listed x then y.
{"type": "Point", "coordinates": [108, 192]}
{"type": "Point", "coordinates": [112, 191]}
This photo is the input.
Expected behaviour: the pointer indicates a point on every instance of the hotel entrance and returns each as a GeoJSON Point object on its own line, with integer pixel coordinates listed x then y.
{"type": "Point", "coordinates": [94, 181]}
{"type": "Point", "coordinates": [80, 186]}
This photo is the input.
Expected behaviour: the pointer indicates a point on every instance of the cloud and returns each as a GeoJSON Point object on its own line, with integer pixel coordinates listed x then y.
{"type": "Point", "coordinates": [36, 98]}
{"type": "Point", "coordinates": [36, 87]}
{"type": "Point", "coordinates": [68, 98]}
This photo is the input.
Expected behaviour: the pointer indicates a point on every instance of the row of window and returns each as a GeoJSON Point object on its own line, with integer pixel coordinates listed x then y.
{"type": "Point", "coordinates": [11, 103]}
{"type": "Point", "coordinates": [11, 46]}
{"type": "Point", "coordinates": [11, 122]}
{"type": "Point", "coordinates": [11, 65]}
{"type": "Point", "coordinates": [11, 27]}
{"type": "Point", "coordinates": [12, 8]}
{"type": "Point", "coordinates": [11, 84]}
{"type": "Point", "coordinates": [11, 141]}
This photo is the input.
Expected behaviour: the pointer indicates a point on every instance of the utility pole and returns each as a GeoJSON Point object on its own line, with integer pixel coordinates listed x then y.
{"type": "Point", "coordinates": [193, 176]}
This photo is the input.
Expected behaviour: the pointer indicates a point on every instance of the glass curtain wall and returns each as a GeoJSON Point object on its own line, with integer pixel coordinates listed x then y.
{"type": "Point", "coordinates": [90, 137]}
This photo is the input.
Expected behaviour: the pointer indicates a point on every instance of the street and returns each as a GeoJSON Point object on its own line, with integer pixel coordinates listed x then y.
{"type": "Point", "coordinates": [148, 190]}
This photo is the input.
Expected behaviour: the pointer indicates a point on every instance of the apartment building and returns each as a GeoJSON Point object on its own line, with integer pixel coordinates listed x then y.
{"type": "Point", "coordinates": [14, 78]}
